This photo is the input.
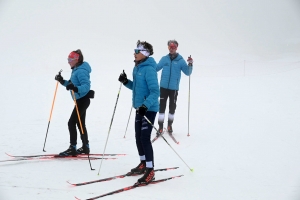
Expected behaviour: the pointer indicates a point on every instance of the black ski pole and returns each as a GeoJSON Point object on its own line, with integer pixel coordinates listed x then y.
{"type": "Point", "coordinates": [51, 112]}
{"type": "Point", "coordinates": [81, 127]}
{"type": "Point", "coordinates": [112, 119]}
{"type": "Point", "coordinates": [189, 105]}
{"type": "Point", "coordinates": [128, 121]}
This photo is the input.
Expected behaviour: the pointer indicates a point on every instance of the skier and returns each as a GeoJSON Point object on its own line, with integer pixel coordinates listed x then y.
{"type": "Point", "coordinates": [172, 65]}
{"type": "Point", "coordinates": [145, 93]}
{"type": "Point", "coordinates": [80, 83]}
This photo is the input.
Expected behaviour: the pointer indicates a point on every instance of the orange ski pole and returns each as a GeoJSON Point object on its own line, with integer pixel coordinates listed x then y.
{"type": "Point", "coordinates": [51, 112]}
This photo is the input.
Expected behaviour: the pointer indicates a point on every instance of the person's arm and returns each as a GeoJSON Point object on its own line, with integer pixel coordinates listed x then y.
{"type": "Point", "coordinates": [160, 64]}
{"type": "Point", "coordinates": [187, 69]}
{"type": "Point", "coordinates": [129, 84]}
{"type": "Point", "coordinates": [152, 83]}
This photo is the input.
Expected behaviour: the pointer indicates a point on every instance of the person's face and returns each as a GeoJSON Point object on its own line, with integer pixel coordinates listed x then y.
{"type": "Point", "coordinates": [138, 55]}
{"type": "Point", "coordinates": [72, 62]}
{"type": "Point", "coordinates": [172, 48]}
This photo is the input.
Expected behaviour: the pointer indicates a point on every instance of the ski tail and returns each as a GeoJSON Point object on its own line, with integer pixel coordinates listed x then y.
{"type": "Point", "coordinates": [116, 177]}
{"type": "Point", "coordinates": [78, 155]}
{"type": "Point", "coordinates": [131, 187]}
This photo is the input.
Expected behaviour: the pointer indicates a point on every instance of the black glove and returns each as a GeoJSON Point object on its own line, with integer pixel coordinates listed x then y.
{"type": "Point", "coordinates": [59, 78]}
{"type": "Point", "coordinates": [142, 110]}
{"type": "Point", "coordinates": [123, 78]}
{"type": "Point", "coordinates": [72, 87]}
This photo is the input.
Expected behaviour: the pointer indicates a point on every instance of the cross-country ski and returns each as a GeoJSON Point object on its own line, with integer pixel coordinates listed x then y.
{"type": "Point", "coordinates": [116, 177]}
{"type": "Point", "coordinates": [131, 187]}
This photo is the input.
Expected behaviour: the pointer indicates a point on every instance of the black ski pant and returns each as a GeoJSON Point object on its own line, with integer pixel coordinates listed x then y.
{"type": "Point", "coordinates": [164, 95]}
{"type": "Point", "coordinates": [82, 103]}
{"type": "Point", "coordinates": [143, 135]}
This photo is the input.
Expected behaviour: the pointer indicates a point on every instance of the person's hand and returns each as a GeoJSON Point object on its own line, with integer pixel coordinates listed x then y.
{"type": "Point", "coordinates": [123, 78]}
{"type": "Point", "coordinates": [142, 110]}
{"type": "Point", "coordinates": [190, 61]}
{"type": "Point", "coordinates": [59, 78]}
{"type": "Point", "coordinates": [72, 87]}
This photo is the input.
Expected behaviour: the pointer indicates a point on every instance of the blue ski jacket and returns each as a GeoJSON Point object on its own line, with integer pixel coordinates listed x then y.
{"type": "Point", "coordinates": [171, 73]}
{"type": "Point", "coordinates": [145, 89]}
{"type": "Point", "coordinates": [80, 77]}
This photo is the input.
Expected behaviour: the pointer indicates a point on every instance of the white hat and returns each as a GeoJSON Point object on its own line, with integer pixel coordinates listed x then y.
{"type": "Point", "coordinates": [144, 51]}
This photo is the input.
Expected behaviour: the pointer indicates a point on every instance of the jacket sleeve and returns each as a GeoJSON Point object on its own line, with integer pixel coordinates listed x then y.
{"type": "Point", "coordinates": [187, 70]}
{"type": "Point", "coordinates": [152, 83]}
{"type": "Point", "coordinates": [160, 64]}
{"type": "Point", "coordinates": [129, 84]}
{"type": "Point", "coordinates": [66, 83]}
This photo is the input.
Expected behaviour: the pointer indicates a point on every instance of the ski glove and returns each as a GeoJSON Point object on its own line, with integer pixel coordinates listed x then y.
{"type": "Point", "coordinates": [59, 78]}
{"type": "Point", "coordinates": [142, 110]}
{"type": "Point", "coordinates": [190, 61]}
{"type": "Point", "coordinates": [123, 78]}
{"type": "Point", "coordinates": [72, 87]}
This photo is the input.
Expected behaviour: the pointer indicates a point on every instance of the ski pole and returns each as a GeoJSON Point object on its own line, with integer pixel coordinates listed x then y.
{"type": "Point", "coordinates": [51, 111]}
{"type": "Point", "coordinates": [189, 105]}
{"type": "Point", "coordinates": [112, 119]}
{"type": "Point", "coordinates": [191, 169]}
{"type": "Point", "coordinates": [128, 121]}
{"type": "Point", "coordinates": [81, 126]}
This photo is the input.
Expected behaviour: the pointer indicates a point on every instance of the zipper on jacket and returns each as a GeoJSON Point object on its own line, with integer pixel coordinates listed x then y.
{"type": "Point", "coordinates": [170, 73]}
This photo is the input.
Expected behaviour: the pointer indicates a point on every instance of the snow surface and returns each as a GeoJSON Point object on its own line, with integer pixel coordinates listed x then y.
{"type": "Point", "coordinates": [244, 117]}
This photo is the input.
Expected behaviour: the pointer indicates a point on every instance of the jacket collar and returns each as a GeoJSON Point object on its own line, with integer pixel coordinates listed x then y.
{"type": "Point", "coordinates": [140, 61]}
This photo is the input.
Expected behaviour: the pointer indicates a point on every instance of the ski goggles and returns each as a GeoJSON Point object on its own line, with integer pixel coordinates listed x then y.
{"type": "Point", "coordinates": [137, 51]}
{"type": "Point", "coordinates": [71, 59]}
{"type": "Point", "coordinates": [73, 56]}
{"type": "Point", "coordinates": [172, 46]}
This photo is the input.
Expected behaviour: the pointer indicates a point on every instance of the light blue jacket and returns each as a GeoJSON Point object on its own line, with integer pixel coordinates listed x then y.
{"type": "Point", "coordinates": [145, 89]}
{"type": "Point", "coordinates": [171, 73]}
{"type": "Point", "coordinates": [80, 77]}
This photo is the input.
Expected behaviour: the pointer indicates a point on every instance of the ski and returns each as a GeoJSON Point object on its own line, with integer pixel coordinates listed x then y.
{"type": "Point", "coordinates": [157, 136]}
{"type": "Point", "coordinates": [52, 155]}
{"type": "Point", "coordinates": [131, 187]}
{"type": "Point", "coordinates": [52, 158]}
{"type": "Point", "coordinates": [171, 136]}
{"type": "Point", "coordinates": [115, 177]}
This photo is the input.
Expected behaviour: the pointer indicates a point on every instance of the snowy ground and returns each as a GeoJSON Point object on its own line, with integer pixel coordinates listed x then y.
{"type": "Point", "coordinates": [244, 118]}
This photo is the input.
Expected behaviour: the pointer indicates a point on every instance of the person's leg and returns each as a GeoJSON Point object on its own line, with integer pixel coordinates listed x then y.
{"type": "Point", "coordinates": [172, 107]}
{"type": "Point", "coordinates": [146, 138]}
{"type": "Point", "coordinates": [71, 151]}
{"type": "Point", "coordinates": [83, 105]}
{"type": "Point", "coordinates": [138, 131]}
{"type": "Point", "coordinates": [72, 127]}
{"type": "Point", "coordinates": [162, 107]}
{"type": "Point", "coordinates": [147, 146]}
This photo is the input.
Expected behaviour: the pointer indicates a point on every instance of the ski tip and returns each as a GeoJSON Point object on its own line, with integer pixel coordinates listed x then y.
{"type": "Point", "coordinates": [170, 168]}
{"type": "Point", "coordinates": [177, 142]}
{"type": "Point", "coordinates": [8, 154]}
{"type": "Point", "coordinates": [77, 198]}
{"type": "Point", "coordinates": [71, 184]}
{"type": "Point", "coordinates": [192, 170]}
